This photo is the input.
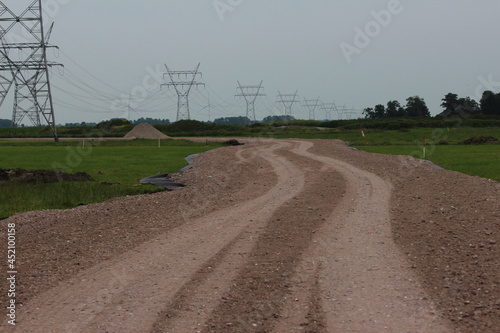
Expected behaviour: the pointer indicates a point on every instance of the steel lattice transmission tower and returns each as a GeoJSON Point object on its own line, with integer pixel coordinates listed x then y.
{"type": "Point", "coordinates": [288, 100]}
{"type": "Point", "coordinates": [183, 82]}
{"type": "Point", "coordinates": [329, 108]}
{"type": "Point", "coordinates": [311, 105]}
{"type": "Point", "coordinates": [342, 112]}
{"type": "Point", "coordinates": [350, 112]}
{"type": "Point", "coordinates": [250, 93]}
{"type": "Point", "coordinates": [25, 65]}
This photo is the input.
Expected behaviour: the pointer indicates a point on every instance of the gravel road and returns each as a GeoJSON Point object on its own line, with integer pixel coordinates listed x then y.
{"type": "Point", "coordinates": [272, 236]}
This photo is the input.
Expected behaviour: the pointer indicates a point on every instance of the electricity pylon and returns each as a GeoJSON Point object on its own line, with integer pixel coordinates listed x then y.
{"type": "Point", "coordinates": [183, 81]}
{"type": "Point", "coordinates": [288, 100]}
{"type": "Point", "coordinates": [250, 93]}
{"type": "Point", "coordinates": [27, 68]}
{"type": "Point", "coordinates": [350, 113]}
{"type": "Point", "coordinates": [341, 112]}
{"type": "Point", "coordinates": [328, 108]}
{"type": "Point", "coordinates": [311, 105]}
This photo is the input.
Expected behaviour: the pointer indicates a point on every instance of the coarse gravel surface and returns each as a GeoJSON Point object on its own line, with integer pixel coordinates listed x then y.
{"type": "Point", "coordinates": [272, 236]}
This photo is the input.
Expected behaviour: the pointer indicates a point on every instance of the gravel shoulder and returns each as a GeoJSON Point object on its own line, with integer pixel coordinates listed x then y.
{"type": "Point", "coordinates": [276, 235]}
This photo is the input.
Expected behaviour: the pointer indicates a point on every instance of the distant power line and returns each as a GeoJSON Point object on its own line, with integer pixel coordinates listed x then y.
{"type": "Point", "coordinates": [311, 105]}
{"type": "Point", "coordinates": [250, 94]}
{"type": "Point", "coordinates": [328, 108]}
{"type": "Point", "coordinates": [183, 82]}
{"type": "Point", "coordinates": [288, 100]}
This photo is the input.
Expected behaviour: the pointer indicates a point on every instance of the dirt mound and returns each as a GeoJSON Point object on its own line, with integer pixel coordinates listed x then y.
{"type": "Point", "coordinates": [479, 140]}
{"type": "Point", "coordinates": [145, 131]}
{"type": "Point", "coordinates": [41, 176]}
{"type": "Point", "coordinates": [232, 142]}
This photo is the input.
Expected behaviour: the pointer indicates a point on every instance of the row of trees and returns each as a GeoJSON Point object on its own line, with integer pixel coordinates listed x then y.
{"type": "Point", "coordinates": [232, 121]}
{"type": "Point", "coordinates": [5, 123]}
{"type": "Point", "coordinates": [451, 104]}
{"type": "Point", "coordinates": [415, 107]}
{"type": "Point", "coordinates": [152, 121]}
{"type": "Point", "coordinates": [488, 105]}
{"type": "Point", "coordinates": [247, 121]}
{"type": "Point", "coordinates": [119, 122]}
{"type": "Point", "coordinates": [269, 119]}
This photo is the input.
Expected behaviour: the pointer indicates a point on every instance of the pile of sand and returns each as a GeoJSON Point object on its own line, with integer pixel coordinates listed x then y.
{"type": "Point", "coordinates": [145, 131]}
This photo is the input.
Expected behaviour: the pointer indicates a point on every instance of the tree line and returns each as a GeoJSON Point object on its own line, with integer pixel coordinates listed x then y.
{"type": "Point", "coordinates": [247, 121]}
{"type": "Point", "coordinates": [451, 104]}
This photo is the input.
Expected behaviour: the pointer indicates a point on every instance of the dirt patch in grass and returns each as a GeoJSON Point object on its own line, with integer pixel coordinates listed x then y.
{"type": "Point", "coordinates": [479, 140]}
{"type": "Point", "coordinates": [42, 176]}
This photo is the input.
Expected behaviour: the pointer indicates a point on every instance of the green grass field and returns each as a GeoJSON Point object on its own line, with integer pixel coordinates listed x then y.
{"type": "Point", "coordinates": [411, 136]}
{"type": "Point", "coordinates": [475, 160]}
{"type": "Point", "coordinates": [124, 162]}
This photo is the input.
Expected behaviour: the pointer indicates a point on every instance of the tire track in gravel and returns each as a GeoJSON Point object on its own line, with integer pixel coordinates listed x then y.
{"type": "Point", "coordinates": [255, 301]}
{"type": "Point", "coordinates": [126, 294]}
{"type": "Point", "coordinates": [365, 282]}
{"type": "Point", "coordinates": [193, 304]}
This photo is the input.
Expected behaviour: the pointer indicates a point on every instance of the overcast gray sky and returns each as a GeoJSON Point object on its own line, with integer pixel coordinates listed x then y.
{"type": "Point", "coordinates": [356, 53]}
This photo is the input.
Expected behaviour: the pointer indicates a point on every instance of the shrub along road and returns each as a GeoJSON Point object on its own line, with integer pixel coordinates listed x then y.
{"type": "Point", "coordinates": [273, 236]}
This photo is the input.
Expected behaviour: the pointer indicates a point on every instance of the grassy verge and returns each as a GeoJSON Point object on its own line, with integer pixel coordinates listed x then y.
{"type": "Point", "coordinates": [411, 136]}
{"type": "Point", "coordinates": [475, 160]}
{"type": "Point", "coordinates": [122, 163]}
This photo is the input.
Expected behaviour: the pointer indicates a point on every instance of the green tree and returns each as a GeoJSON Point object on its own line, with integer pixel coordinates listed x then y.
{"type": "Point", "coordinates": [450, 104]}
{"type": "Point", "coordinates": [467, 106]}
{"type": "Point", "coordinates": [394, 109]}
{"type": "Point", "coordinates": [416, 107]}
{"type": "Point", "coordinates": [379, 111]}
{"type": "Point", "coordinates": [115, 122]}
{"type": "Point", "coordinates": [233, 121]}
{"type": "Point", "coordinates": [490, 103]}
{"type": "Point", "coordinates": [369, 113]}
{"type": "Point", "coordinates": [269, 119]}
{"type": "Point", "coordinates": [186, 125]}
{"type": "Point", "coordinates": [453, 105]}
